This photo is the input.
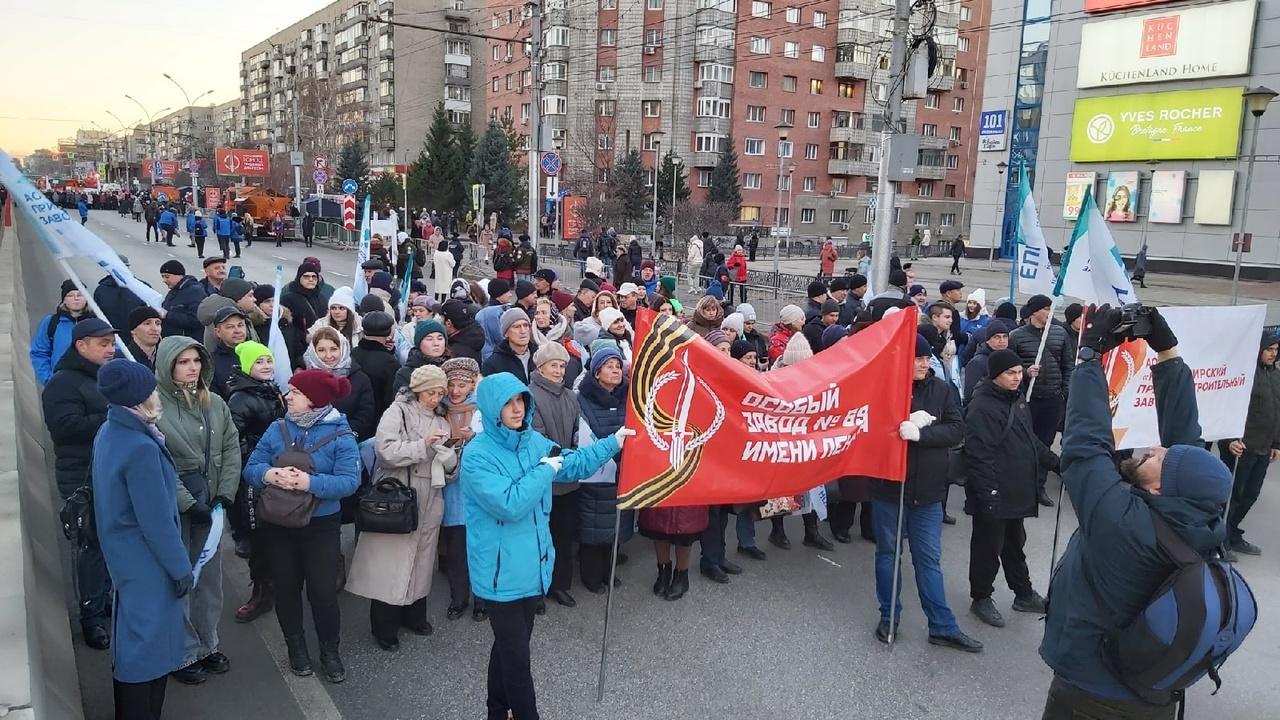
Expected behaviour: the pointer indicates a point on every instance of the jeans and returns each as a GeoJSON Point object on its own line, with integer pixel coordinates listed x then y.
{"type": "Point", "coordinates": [1067, 702]}
{"type": "Point", "coordinates": [746, 529]}
{"type": "Point", "coordinates": [510, 679]}
{"type": "Point", "coordinates": [306, 556]}
{"type": "Point", "coordinates": [202, 607]}
{"type": "Point", "coordinates": [923, 535]}
{"type": "Point", "coordinates": [1250, 473]}
{"type": "Point", "coordinates": [995, 540]}
{"type": "Point", "coordinates": [713, 538]}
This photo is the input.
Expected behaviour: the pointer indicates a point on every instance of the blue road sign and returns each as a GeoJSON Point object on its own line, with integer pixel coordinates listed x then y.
{"type": "Point", "coordinates": [349, 186]}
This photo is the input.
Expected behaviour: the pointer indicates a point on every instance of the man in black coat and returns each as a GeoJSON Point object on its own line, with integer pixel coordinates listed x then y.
{"type": "Point", "coordinates": [1005, 459]}
{"type": "Point", "coordinates": [73, 412]}
{"type": "Point", "coordinates": [180, 304]}
{"type": "Point", "coordinates": [515, 354]}
{"type": "Point", "coordinates": [816, 325]}
{"type": "Point", "coordinates": [817, 296]}
{"type": "Point", "coordinates": [1052, 372]}
{"type": "Point", "coordinates": [116, 301]}
{"type": "Point", "coordinates": [935, 426]}
{"type": "Point", "coordinates": [305, 296]}
{"type": "Point", "coordinates": [230, 328]}
{"type": "Point", "coordinates": [376, 355]}
{"type": "Point", "coordinates": [995, 336]}
{"type": "Point", "coordinates": [466, 337]}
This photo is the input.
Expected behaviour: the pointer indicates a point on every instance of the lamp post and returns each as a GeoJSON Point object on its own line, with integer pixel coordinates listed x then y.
{"type": "Point", "coordinates": [657, 158]}
{"type": "Point", "coordinates": [1151, 185]}
{"type": "Point", "coordinates": [125, 131]}
{"type": "Point", "coordinates": [999, 236]}
{"type": "Point", "coordinates": [151, 137]}
{"type": "Point", "coordinates": [784, 130]}
{"type": "Point", "coordinates": [676, 163]}
{"type": "Point", "coordinates": [1256, 99]}
{"type": "Point", "coordinates": [192, 170]}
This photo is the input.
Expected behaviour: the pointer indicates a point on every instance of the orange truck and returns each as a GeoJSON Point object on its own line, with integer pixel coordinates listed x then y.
{"type": "Point", "coordinates": [261, 203]}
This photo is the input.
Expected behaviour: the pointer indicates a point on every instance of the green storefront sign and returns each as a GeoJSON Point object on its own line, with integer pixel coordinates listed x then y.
{"type": "Point", "coordinates": [1181, 125]}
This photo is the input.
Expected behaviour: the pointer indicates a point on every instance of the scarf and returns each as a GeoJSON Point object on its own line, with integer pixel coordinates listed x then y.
{"type": "Point", "coordinates": [306, 419]}
{"type": "Point", "coordinates": [149, 426]}
{"type": "Point", "coordinates": [343, 366]}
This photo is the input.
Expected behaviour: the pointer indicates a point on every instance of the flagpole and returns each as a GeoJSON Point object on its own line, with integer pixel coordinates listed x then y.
{"type": "Point", "coordinates": [897, 566]}
{"type": "Point", "coordinates": [93, 305]}
{"type": "Point", "coordinates": [608, 604]}
{"type": "Point", "coordinates": [1044, 335]}
{"type": "Point", "coordinates": [1057, 519]}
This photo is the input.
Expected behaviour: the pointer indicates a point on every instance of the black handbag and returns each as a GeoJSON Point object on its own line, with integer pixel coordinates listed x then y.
{"type": "Point", "coordinates": [76, 516]}
{"type": "Point", "coordinates": [389, 507]}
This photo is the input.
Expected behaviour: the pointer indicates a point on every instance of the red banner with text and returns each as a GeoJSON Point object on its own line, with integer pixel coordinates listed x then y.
{"type": "Point", "coordinates": [712, 431]}
{"type": "Point", "coordinates": [234, 161]}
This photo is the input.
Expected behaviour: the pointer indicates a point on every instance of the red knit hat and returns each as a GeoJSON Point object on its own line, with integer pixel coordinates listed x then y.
{"type": "Point", "coordinates": [320, 387]}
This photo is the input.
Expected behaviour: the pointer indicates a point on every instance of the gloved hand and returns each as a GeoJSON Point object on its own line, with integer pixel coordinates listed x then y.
{"type": "Point", "coordinates": [183, 585]}
{"type": "Point", "coordinates": [198, 514]}
{"type": "Point", "coordinates": [224, 501]}
{"type": "Point", "coordinates": [622, 434]}
{"type": "Point", "coordinates": [1098, 330]}
{"type": "Point", "coordinates": [921, 419]}
{"type": "Point", "coordinates": [908, 431]}
{"type": "Point", "coordinates": [1161, 337]}
{"type": "Point", "coordinates": [554, 462]}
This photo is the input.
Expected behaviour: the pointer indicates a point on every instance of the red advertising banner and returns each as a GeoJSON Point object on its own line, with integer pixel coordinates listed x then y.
{"type": "Point", "coordinates": [711, 431]}
{"type": "Point", "coordinates": [212, 197]}
{"type": "Point", "coordinates": [573, 214]}
{"type": "Point", "coordinates": [160, 168]}
{"type": "Point", "coordinates": [1094, 6]}
{"type": "Point", "coordinates": [234, 161]}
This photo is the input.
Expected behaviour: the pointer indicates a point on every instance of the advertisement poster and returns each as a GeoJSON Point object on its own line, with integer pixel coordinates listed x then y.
{"type": "Point", "coordinates": [212, 197]}
{"type": "Point", "coordinates": [573, 213]}
{"type": "Point", "coordinates": [1177, 44]}
{"type": "Point", "coordinates": [1217, 344]}
{"type": "Point", "coordinates": [1179, 125]}
{"type": "Point", "coordinates": [1122, 197]}
{"type": "Point", "coordinates": [233, 161]}
{"type": "Point", "coordinates": [1215, 196]}
{"type": "Point", "coordinates": [1077, 183]}
{"type": "Point", "coordinates": [1167, 187]}
{"type": "Point", "coordinates": [992, 130]}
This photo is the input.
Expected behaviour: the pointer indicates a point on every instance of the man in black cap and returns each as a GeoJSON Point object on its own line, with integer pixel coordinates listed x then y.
{"type": "Point", "coordinates": [815, 326]}
{"type": "Point", "coordinates": [466, 337]}
{"type": "Point", "coordinates": [817, 294]}
{"type": "Point", "coordinates": [375, 354]}
{"type": "Point", "coordinates": [853, 302]}
{"type": "Point", "coordinates": [587, 291]}
{"type": "Point", "coordinates": [144, 335]}
{"type": "Point", "coordinates": [526, 296]}
{"type": "Point", "coordinates": [230, 328]}
{"type": "Point", "coordinates": [952, 291]}
{"type": "Point", "coordinates": [1071, 322]}
{"type": "Point", "coordinates": [73, 412]}
{"type": "Point", "coordinates": [992, 338]}
{"type": "Point", "coordinates": [180, 304]}
{"type": "Point", "coordinates": [1052, 371]}
{"type": "Point", "coordinates": [545, 282]}
{"type": "Point", "coordinates": [892, 296]}
{"type": "Point", "coordinates": [215, 273]}
{"type": "Point", "coordinates": [370, 267]}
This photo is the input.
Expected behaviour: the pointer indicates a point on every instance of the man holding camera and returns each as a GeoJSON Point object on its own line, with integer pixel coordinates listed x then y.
{"type": "Point", "coordinates": [1113, 563]}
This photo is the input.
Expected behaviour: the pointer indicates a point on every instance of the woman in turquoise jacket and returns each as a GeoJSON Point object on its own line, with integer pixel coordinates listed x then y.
{"type": "Point", "coordinates": [506, 476]}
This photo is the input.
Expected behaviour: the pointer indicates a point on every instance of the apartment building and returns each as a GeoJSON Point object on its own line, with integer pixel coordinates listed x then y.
{"type": "Point", "coordinates": [799, 86]}
{"type": "Point", "coordinates": [176, 134]}
{"type": "Point", "coordinates": [227, 123]}
{"type": "Point", "coordinates": [355, 77]}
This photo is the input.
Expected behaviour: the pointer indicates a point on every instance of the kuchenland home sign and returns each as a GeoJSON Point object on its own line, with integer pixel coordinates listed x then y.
{"type": "Point", "coordinates": [1178, 44]}
{"type": "Point", "coordinates": [1181, 125]}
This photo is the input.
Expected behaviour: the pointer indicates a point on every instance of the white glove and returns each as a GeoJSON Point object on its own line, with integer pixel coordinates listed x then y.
{"type": "Point", "coordinates": [622, 434]}
{"type": "Point", "coordinates": [554, 462]}
{"type": "Point", "coordinates": [907, 431]}
{"type": "Point", "coordinates": [921, 419]}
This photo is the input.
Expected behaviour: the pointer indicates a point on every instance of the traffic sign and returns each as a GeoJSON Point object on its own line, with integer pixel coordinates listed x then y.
{"type": "Point", "coordinates": [320, 163]}
{"type": "Point", "coordinates": [157, 168]}
{"type": "Point", "coordinates": [349, 187]}
{"type": "Point", "coordinates": [550, 164]}
{"type": "Point", "coordinates": [348, 208]}
{"type": "Point", "coordinates": [320, 176]}
{"type": "Point", "coordinates": [871, 202]}
{"type": "Point", "coordinates": [163, 197]}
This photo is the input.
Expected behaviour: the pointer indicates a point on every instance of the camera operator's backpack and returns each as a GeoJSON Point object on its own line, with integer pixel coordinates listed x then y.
{"type": "Point", "coordinates": [1198, 616]}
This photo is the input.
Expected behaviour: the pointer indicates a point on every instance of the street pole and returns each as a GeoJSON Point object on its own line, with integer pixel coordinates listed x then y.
{"type": "Point", "coordinates": [657, 158]}
{"type": "Point", "coordinates": [997, 237]}
{"type": "Point", "coordinates": [1244, 211]}
{"type": "Point", "coordinates": [127, 179]}
{"type": "Point", "coordinates": [535, 116]}
{"type": "Point", "coordinates": [882, 241]}
{"type": "Point", "coordinates": [297, 169]}
{"type": "Point", "coordinates": [671, 211]}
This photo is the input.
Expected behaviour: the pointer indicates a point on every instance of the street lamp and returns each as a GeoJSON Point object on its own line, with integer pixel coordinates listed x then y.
{"type": "Point", "coordinates": [151, 137]}
{"type": "Point", "coordinates": [784, 129]}
{"type": "Point", "coordinates": [676, 162]}
{"type": "Point", "coordinates": [1256, 99]}
{"type": "Point", "coordinates": [192, 170]}
{"type": "Point", "coordinates": [656, 136]}
{"type": "Point", "coordinates": [125, 131]}
{"type": "Point", "coordinates": [1000, 193]}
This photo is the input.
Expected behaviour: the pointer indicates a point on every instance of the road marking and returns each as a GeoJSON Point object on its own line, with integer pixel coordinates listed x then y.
{"type": "Point", "coordinates": [171, 255]}
{"type": "Point", "coordinates": [338, 274]}
{"type": "Point", "coordinates": [827, 559]}
{"type": "Point", "coordinates": [280, 258]}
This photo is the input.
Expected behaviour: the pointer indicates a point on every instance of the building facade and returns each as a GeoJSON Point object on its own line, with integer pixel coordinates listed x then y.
{"type": "Point", "coordinates": [1141, 103]}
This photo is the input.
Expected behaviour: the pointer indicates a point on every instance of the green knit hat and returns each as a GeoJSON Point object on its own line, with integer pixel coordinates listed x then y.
{"type": "Point", "coordinates": [668, 283]}
{"type": "Point", "coordinates": [248, 352]}
{"type": "Point", "coordinates": [425, 328]}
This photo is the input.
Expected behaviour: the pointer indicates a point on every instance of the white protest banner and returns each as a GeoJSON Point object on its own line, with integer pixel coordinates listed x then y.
{"type": "Point", "coordinates": [275, 338]}
{"type": "Point", "coordinates": [359, 287]}
{"type": "Point", "coordinates": [1219, 344]}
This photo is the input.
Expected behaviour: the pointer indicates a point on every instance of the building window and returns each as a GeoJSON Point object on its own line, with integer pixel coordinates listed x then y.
{"type": "Point", "coordinates": [787, 116]}
{"type": "Point", "coordinates": [749, 214]}
{"type": "Point", "coordinates": [784, 148]}
{"type": "Point", "coordinates": [457, 92]}
{"type": "Point", "coordinates": [457, 47]}
{"type": "Point", "coordinates": [494, 85]}
{"type": "Point", "coordinates": [751, 181]}
{"type": "Point", "coordinates": [965, 13]}
{"type": "Point", "coordinates": [650, 141]}
{"type": "Point", "coordinates": [840, 216]}
{"type": "Point", "coordinates": [506, 82]}
{"type": "Point", "coordinates": [760, 79]}
{"type": "Point", "coordinates": [957, 104]}
{"type": "Point", "coordinates": [715, 72]}
{"type": "Point", "coordinates": [524, 113]}
{"type": "Point", "coordinates": [955, 134]}
{"type": "Point", "coordinates": [760, 9]}
{"type": "Point", "coordinates": [881, 92]}
{"type": "Point", "coordinates": [947, 219]}
{"type": "Point", "coordinates": [556, 36]}
{"type": "Point", "coordinates": [932, 101]}
{"type": "Point", "coordinates": [869, 215]}
{"type": "Point", "coordinates": [605, 108]}
{"type": "Point", "coordinates": [897, 215]}
{"type": "Point", "coordinates": [555, 71]}
{"type": "Point", "coordinates": [929, 130]}
{"type": "Point", "coordinates": [862, 55]}
{"type": "Point", "coordinates": [793, 15]}
{"type": "Point", "coordinates": [704, 178]}
{"type": "Point", "coordinates": [604, 142]}
{"type": "Point", "coordinates": [608, 38]}
{"type": "Point", "coordinates": [963, 44]}
{"type": "Point", "coordinates": [839, 185]}
{"type": "Point", "coordinates": [783, 183]}
{"type": "Point", "coordinates": [760, 45]}
{"type": "Point", "coordinates": [789, 83]}
{"type": "Point", "coordinates": [815, 86]}
{"type": "Point", "coordinates": [811, 151]}
{"type": "Point", "coordinates": [555, 105]}
{"type": "Point", "coordinates": [815, 119]}
{"type": "Point", "coordinates": [807, 215]}
{"type": "Point", "coordinates": [708, 143]}
{"type": "Point", "coordinates": [607, 73]}
{"type": "Point", "coordinates": [653, 73]}
{"type": "Point", "coordinates": [755, 113]}
{"type": "Point", "coordinates": [922, 219]}
{"type": "Point", "coordinates": [655, 4]}
{"type": "Point", "coordinates": [652, 38]}
{"type": "Point", "coordinates": [948, 191]}
{"type": "Point", "coordinates": [713, 107]}
{"type": "Point", "coordinates": [651, 108]}
{"type": "Point", "coordinates": [926, 189]}
{"type": "Point", "coordinates": [818, 54]}
{"type": "Point", "coordinates": [753, 146]}
{"type": "Point", "coordinates": [819, 19]}
{"type": "Point", "coordinates": [844, 89]}
{"type": "Point", "coordinates": [790, 49]}
{"type": "Point", "coordinates": [953, 162]}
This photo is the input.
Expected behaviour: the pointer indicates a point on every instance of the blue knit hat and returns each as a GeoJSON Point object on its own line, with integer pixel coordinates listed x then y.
{"type": "Point", "coordinates": [125, 382]}
{"type": "Point", "coordinates": [1196, 474]}
{"type": "Point", "coordinates": [923, 347]}
{"type": "Point", "coordinates": [599, 357]}
{"type": "Point", "coordinates": [425, 328]}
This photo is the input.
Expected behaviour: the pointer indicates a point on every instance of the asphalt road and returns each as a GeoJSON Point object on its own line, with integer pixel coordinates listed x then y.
{"type": "Point", "coordinates": [790, 638]}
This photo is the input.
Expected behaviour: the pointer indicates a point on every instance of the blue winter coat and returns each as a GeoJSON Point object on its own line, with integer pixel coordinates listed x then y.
{"type": "Point", "coordinates": [191, 220]}
{"type": "Point", "coordinates": [168, 219]}
{"type": "Point", "coordinates": [84, 209]}
{"type": "Point", "coordinates": [136, 510]}
{"type": "Point", "coordinates": [337, 462]}
{"type": "Point", "coordinates": [46, 353]}
{"type": "Point", "coordinates": [488, 318]}
{"type": "Point", "coordinates": [507, 495]}
{"type": "Point", "coordinates": [222, 225]}
{"type": "Point", "coordinates": [237, 230]}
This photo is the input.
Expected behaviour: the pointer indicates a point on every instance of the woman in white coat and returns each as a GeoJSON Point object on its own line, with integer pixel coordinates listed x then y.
{"type": "Point", "coordinates": [395, 571]}
{"type": "Point", "coordinates": [444, 263]}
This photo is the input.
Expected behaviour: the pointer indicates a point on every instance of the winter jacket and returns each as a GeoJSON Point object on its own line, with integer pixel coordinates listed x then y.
{"type": "Point", "coordinates": [180, 304]}
{"type": "Point", "coordinates": [208, 310]}
{"type": "Point", "coordinates": [971, 327]}
{"type": "Point", "coordinates": [467, 342]}
{"type": "Point", "coordinates": [603, 412]}
{"type": "Point", "coordinates": [73, 412]}
{"type": "Point", "coordinates": [135, 511]}
{"type": "Point", "coordinates": [225, 363]}
{"type": "Point", "coordinates": [779, 336]}
{"type": "Point", "coordinates": [1055, 364]}
{"type": "Point", "coordinates": [556, 418]}
{"type": "Point", "coordinates": [455, 514]}
{"type": "Point", "coordinates": [1116, 543]}
{"type": "Point", "coordinates": [488, 319]}
{"type": "Point", "coordinates": [254, 405]}
{"type": "Point", "coordinates": [382, 367]}
{"type": "Point", "coordinates": [927, 479]}
{"type": "Point", "coordinates": [976, 371]}
{"type": "Point", "coordinates": [504, 360]}
{"type": "Point", "coordinates": [337, 463]}
{"type": "Point", "coordinates": [507, 496]}
{"type": "Point", "coordinates": [1004, 455]}
{"type": "Point", "coordinates": [827, 260]}
{"type": "Point", "coordinates": [308, 306]}
{"type": "Point", "coordinates": [813, 330]}
{"type": "Point", "coordinates": [222, 224]}
{"type": "Point", "coordinates": [185, 426]}
{"type": "Point", "coordinates": [737, 266]}
{"type": "Point", "coordinates": [116, 302]}
{"type": "Point", "coordinates": [623, 270]}
{"type": "Point", "coordinates": [45, 350]}
{"type": "Point", "coordinates": [168, 220]}
{"type": "Point", "coordinates": [191, 220]}
{"type": "Point", "coordinates": [635, 254]}
{"type": "Point", "coordinates": [445, 266]}
{"type": "Point", "coordinates": [358, 406]}
{"type": "Point", "coordinates": [957, 250]}
{"type": "Point", "coordinates": [683, 520]}
{"type": "Point", "coordinates": [525, 259]}
{"type": "Point", "coordinates": [1262, 424]}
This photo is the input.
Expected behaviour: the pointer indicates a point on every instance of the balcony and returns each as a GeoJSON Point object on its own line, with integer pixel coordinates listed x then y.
{"type": "Point", "coordinates": [934, 142]}
{"type": "Point", "coordinates": [854, 135]}
{"type": "Point", "coordinates": [387, 52]}
{"type": "Point", "coordinates": [452, 13]}
{"type": "Point", "coordinates": [942, 82]}
{"type": "Point", "coordinates": [712, 53]}
{"type": "Point", "coordinates": [713, 89]}
{"type": "Point", "coordinates": [930, 172]}
{"type": "Point", "coordinates": [720, 126]}
{"type": "Point", "coordinates": [854, 70]}
{"type": "Point", "coordinates": [386, 73]}
{"type": "Point", "coordinates": [353, 62]}
{"type": "Point", "coordinates": [351, 85]}
{"type": "Point", "coordinates": [852, 167]}
{"type": "Point", "coordinates": [854, 36]}
{"type": "Point", "coordinates": [387, 141]}
{"type": "Point", "coordinates": [705, 159]}
{"type": "Point", "coordinates": [388, 99]}
{"type": "Point", "coordinates": [715, 17]}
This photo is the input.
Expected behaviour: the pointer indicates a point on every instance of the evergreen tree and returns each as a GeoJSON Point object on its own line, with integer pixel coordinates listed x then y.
{"type": "Point", "coordinates": [627, 185]}
{"type": "Point", "coordinates": [492, 165]}
{"type": "Point", "coordinates": [681, 178]}
{"type": "Point", "coordinates": [353, 163]}
{"type": "Point", "coordinates": [464, 142]}
{"type": "Point", "coordinates": [438, 170]}
{"type": "Point", "coordinates": [725, 178]}
{"type": "Point", "coordinates": [516, 142]}
{"type": "Point", "coordinates": [387, 190]}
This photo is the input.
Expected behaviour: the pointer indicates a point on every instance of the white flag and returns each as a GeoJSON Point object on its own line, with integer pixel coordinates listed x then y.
{"type": "Point", "coordinates": [67, 238]}
{"type": "Point", "coordinates": [360, 288]}
{"type": "Point", "coordinates": [275, 339]}
{"type": "Point", "coordinates": [1035, 274]}
{"type": "Point", "coordinates": [1091, 267]}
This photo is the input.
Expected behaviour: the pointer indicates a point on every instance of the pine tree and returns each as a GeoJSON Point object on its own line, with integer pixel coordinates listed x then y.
{"type": "Point", "coordinates": [627, 185]}
{"type": "Point", "coordinates": [493, 166]}
{"type": "Point", "coordinates": [464, 142]}
{"type": "Point", "coordinates": [387, 190]}
{"type": "Point", "coordinates": [353, 163]}
{"type": "Point", "coordinates": [438, 170]}
{"type": "Point", "coordinates": [724, 178]}
{"type": "Point", "coordinates": [669, 168]}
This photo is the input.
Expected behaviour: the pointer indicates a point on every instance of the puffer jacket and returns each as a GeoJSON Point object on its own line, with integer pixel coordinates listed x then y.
{"type": "Point", "coordinates": [1005, 456]}
{"type": "Point", "coordinates": [254, 405]}
{"type": "Point", "coordinates": [47, 348]}
{"type": "Point", "coordinates": [184, 429]}
{"type": "Point", "coordinates": [603, 412]}
{"type": "Point", "coordinates": [779, 336]}
{"type": "Point", "coordinates": [975, 372]}
{"type": "Point", "coordinates": [926, 481]}
{"type": "Point", "coordinates": [1055, 364]}
{"type": "Point", "coordinates": [180, 305]}
{"type": "Point", "coordinates": [1262, 424]}
{"type": "Point", "coordinates": [337, 463]}
{"type": "Point", "coordinates": [73, 412]}
{"type": "Point", "coordinates": [116, 302]}
{"type": "Point", "coordinates": [358, 406]}
{"type": "Point", "coordinates": [507, 496]}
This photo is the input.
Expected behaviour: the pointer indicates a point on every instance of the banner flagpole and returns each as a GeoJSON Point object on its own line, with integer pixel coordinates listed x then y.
{"type": "Point", "coordinates": [1053, 307]}
{"type": "Point", "coordinates": [608, 603]}
{"type": "Point", "coordinates": [897, 566]}
{"type": "Point", "coordinates": [1057, 519]}
{"type": "Point", "coordinates": [93, 305]}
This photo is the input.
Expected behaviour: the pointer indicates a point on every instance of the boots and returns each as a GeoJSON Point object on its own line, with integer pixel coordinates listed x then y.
{"type": "Point", "coordinates": [664, 579]}
{"type": "Point", "coordinates": [813, 538]}
{"type": "Point", "coordinates": [330, 663]}
{"type": "Point", "coordinates": [299, 658]}
{"type": "Point", "coordinates": [260, 602]}
{"type": "Point", "coordinates": [679, 585]}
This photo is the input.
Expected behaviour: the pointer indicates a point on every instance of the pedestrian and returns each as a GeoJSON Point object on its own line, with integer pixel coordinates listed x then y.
{"type": "Point", "coordinates": [974, 317]}
{"type": "Point", "coordinates": [135, 511]}
{"type": "Point", "coordinates": [994, 337]}
{"type": "Point", "coordinates": [693, 260]}
{"type": "Point", "coordinates": [308, 229]}
{"type": "Point", "coordinates": [1140, 267]}
{"type": "Point", "coordinates": [342, 316]}
{"type": "Point", "coordinates": [790, 322]}
{"type": "Point", "coordinates": [376, 356]}
{"type": "Point", "coordinates": [555, 415]}
{"type": "Point", "coordinates": [181, 302]}
{"type": "Point", "coordinates": [445, 264]}
{"type": "Point", "coordinates": [137, 210]}
{"type": "Point", "coordinates": [1004, 458]}
{"type": "Point", "coordinates": [753, 244]}
{"type": "Point", "coordinates": [514, 354]}
{"type": "Point", "coordinates": [230, 329]}
{"type": "Point", "coordinates": [84, 210]}
{"type": "Point", "coordinates": [957, 252]}
{"type": "Point", "coordinates": [330, 353]}
{"type": "Point", "coordinates": [144, 335]}
{"type": "Point", "coordinates": [602, 398]}
{"type": "Point", "coordinates": [52, 337]}
{"type": "Point", "coordinates": [503, 260]}
{"type": "Point", "coordinates": [623, 270]}
{"type": "Point", "coordinates": [201, 439]}
{"type": "Point", "coordinates": [915, 244]}
{"type": "Point", "coordinates": [277, 228]}
{"type": "Point", "coordinates": [524, 258]}
{"type": "Point", "coordinates": [430, 347]}
{"type": "Point", "coordinates": [151, 214]}
{"type": "Point", "coordinates": [304, 298]}
{"type": "Point", "coordinates": [1051, 369]}
{"type": "Point", "coordinates": [934, 427]}
{"type": "Point", "coordinates": [737, 266]}
{"type": "Point", "coordinates": [827, 259]}
{"type": "Point", "coordinates": [167, 222]}
{"type": "Point", "coordinates": [1250, 454]}
{"type": "Point", "coordinates": [459, 408]}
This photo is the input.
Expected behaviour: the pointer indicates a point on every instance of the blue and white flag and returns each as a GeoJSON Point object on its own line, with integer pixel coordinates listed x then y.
{"type": "Point", "coordinates": [1035, 274]}
{"type": "Point", "coordinates": [67, 238]}
{"type": "Point", "coordinates": [405, 284]}
{"type": "Point", "coordinates": [360, 288]}
{"type": "Point", "coordinates": [1091, 267]}
{"type": "Point", "coordinates": [275, 339]}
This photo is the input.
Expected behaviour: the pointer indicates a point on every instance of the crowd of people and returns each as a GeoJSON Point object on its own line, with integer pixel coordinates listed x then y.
{"type": "Point", "coordinates": [497, 406]}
